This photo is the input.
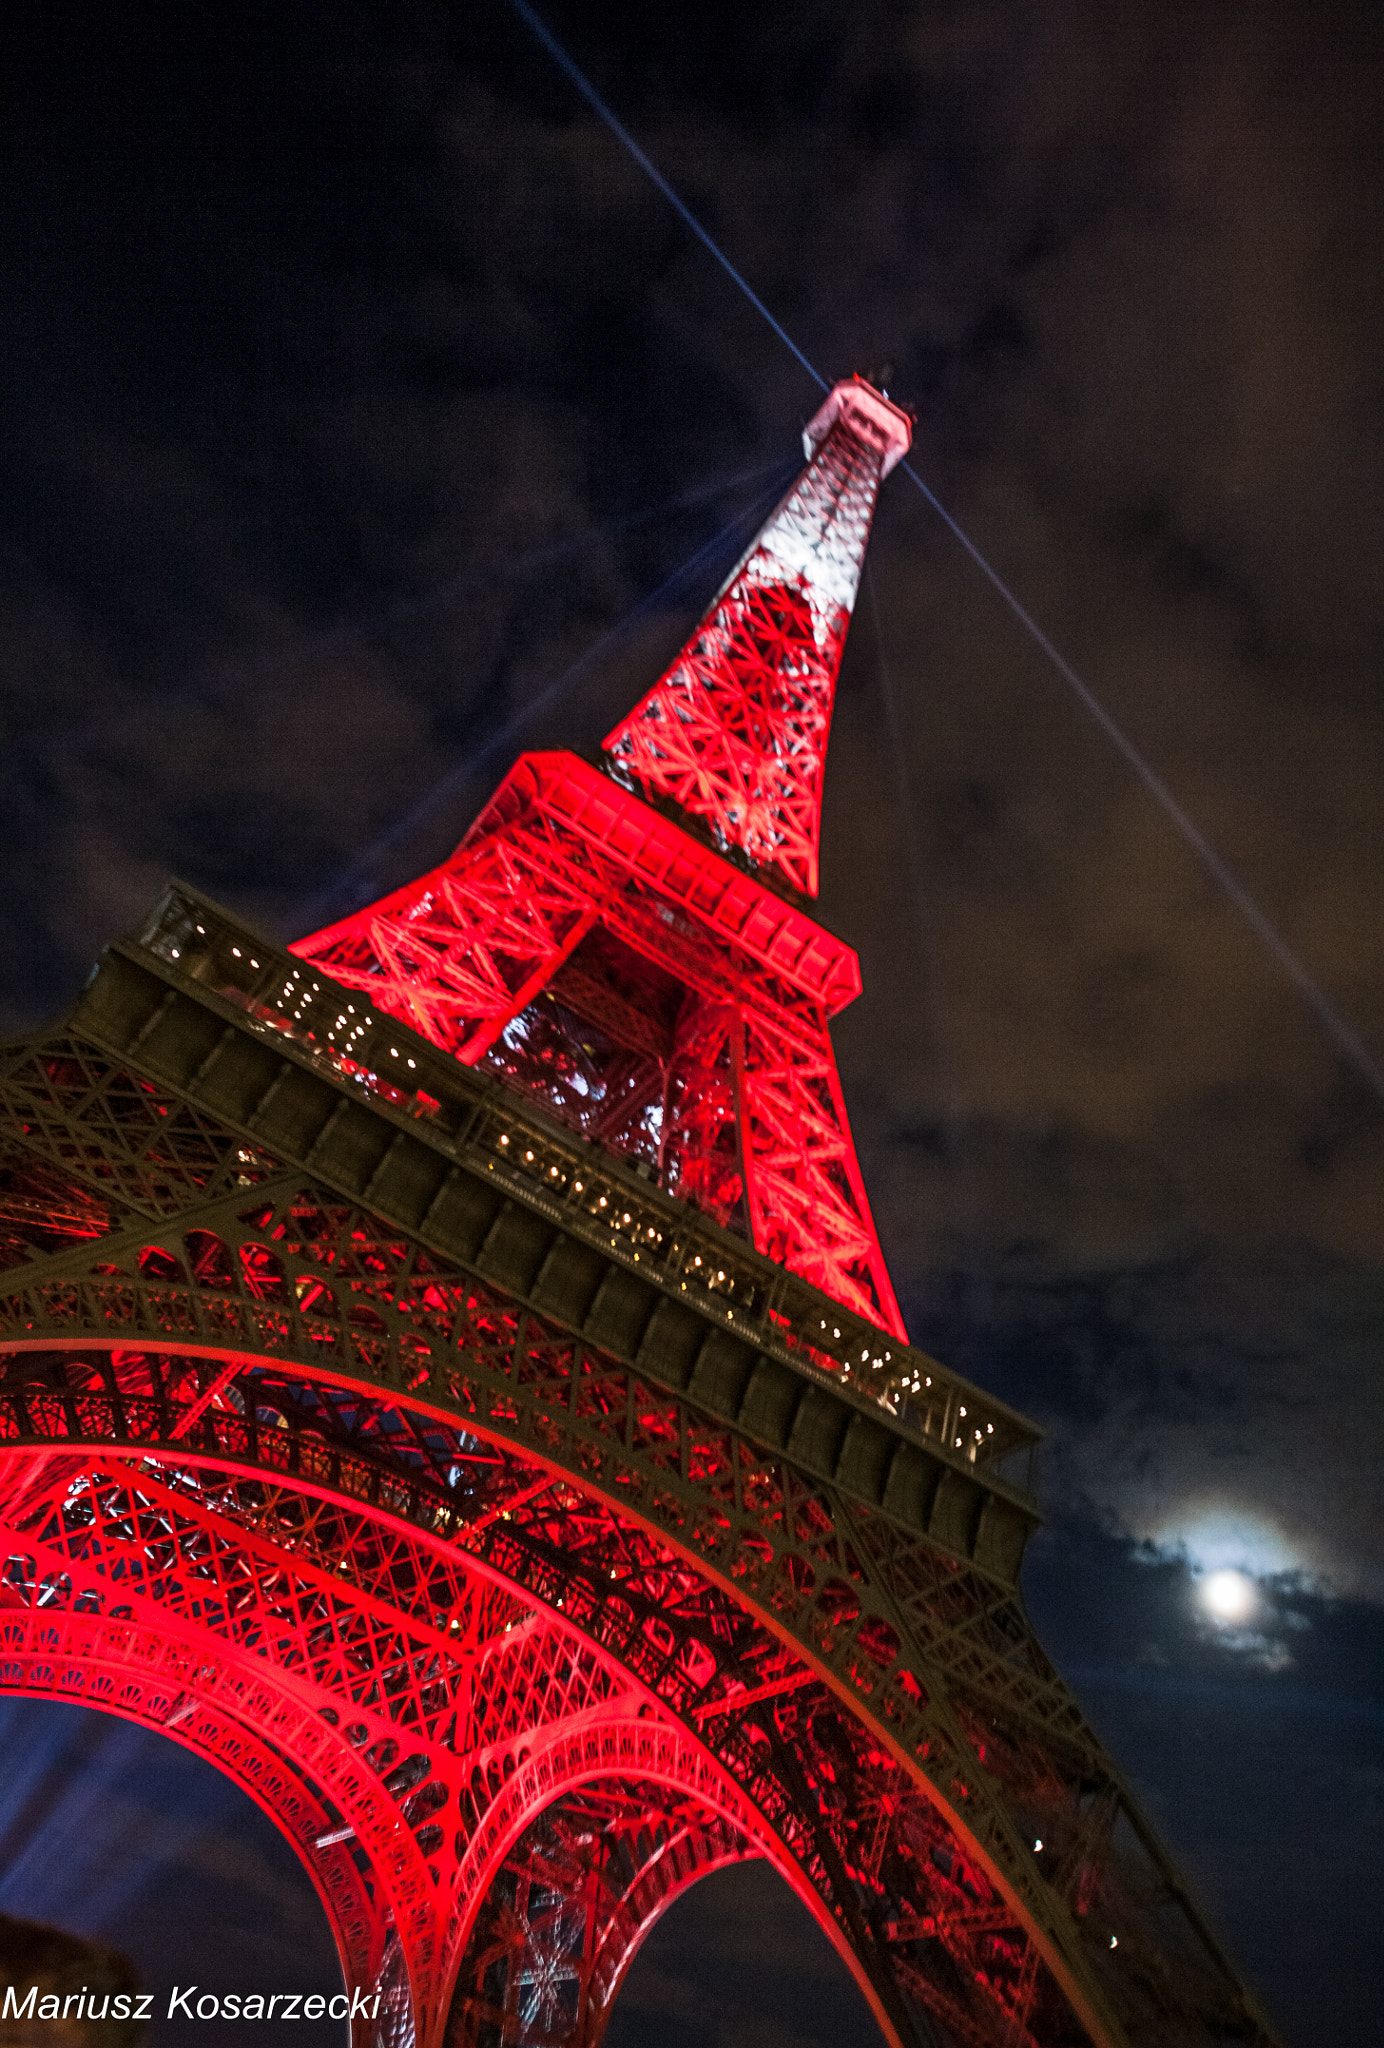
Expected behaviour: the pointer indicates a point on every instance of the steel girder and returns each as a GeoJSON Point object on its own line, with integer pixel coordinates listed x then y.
{"type": "Point", "coordinates": [768, 1564]}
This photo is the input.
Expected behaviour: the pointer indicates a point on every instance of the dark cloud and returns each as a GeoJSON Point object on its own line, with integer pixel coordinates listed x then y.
{"type": "Point", "coordinates": [358, 385]}
{"type": "Point", "coordinates": [1217, 1410]}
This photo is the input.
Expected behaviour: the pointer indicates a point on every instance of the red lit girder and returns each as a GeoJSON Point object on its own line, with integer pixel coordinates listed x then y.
{"type": "Point", "coordinates": [463, 971]}
{"type": "Point", "coordinates": [743, 1113]}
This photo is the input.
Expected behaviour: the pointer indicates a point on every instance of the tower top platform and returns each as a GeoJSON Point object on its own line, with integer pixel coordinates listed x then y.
{"type": "Point", "coordinates": [871, 414]}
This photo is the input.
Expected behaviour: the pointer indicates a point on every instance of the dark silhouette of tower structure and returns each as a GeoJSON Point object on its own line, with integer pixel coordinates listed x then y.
{"type": "Point", "coordinates": [450, 1381]}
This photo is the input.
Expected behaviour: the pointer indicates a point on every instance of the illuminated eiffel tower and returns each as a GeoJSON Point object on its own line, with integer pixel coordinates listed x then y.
{"type": "Point", "coordinates": [451, 1382]}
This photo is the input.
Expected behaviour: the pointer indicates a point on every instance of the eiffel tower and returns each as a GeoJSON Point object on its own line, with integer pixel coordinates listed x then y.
{"type": "Point", "coordinates": [450, 1381]}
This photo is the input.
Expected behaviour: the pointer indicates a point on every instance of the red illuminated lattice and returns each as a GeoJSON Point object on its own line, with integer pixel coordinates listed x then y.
{"type": "Point", "coordinates": [654, 995]}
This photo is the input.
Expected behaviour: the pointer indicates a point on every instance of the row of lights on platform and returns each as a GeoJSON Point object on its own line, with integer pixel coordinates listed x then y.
{"type": "Point", "coordinates": [623, 1220]}
{"type": "Point", "coordinates": [877, 1364]}
{"type": "Point", "coordinates": [290, 986]}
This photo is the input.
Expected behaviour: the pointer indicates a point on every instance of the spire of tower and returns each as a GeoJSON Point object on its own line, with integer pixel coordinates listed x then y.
{"type": "Point", "coordinates": [736, 730]}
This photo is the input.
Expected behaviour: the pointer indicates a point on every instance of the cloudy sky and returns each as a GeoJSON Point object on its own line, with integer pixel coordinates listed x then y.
{"type": "Point", "coordinates": [369, 415]}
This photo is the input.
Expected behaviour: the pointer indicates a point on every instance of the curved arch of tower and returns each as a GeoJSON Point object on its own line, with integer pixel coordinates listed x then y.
{"type": "Point", "coordinates": [449, 1379]}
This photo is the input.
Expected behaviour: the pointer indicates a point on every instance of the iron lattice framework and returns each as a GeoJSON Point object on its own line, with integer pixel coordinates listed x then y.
{"type": "Point", "coordinates": [433, 1456]}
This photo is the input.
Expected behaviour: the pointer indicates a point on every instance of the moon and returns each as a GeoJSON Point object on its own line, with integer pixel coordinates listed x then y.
{"type": "Point", "coordinates": [1228, 1596]}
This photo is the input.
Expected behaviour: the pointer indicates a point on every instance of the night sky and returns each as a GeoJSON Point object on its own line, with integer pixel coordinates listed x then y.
{"type": "Point", "coordinates": [369, 415]}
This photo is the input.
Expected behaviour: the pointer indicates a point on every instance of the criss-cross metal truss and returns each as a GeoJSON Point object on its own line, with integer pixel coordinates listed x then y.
{"type": "Point", "coordinates": [449, 1380]}
{"type": "Point", "coordinates": [637, 980]}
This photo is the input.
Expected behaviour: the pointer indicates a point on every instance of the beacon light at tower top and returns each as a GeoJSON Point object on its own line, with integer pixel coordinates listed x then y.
{"type": "Point", "coordinates": [642, 971]}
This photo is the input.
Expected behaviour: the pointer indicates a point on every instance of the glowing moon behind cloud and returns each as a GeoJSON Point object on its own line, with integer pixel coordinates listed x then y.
{"type": "Point", "coordinates": [1228, 1596]}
